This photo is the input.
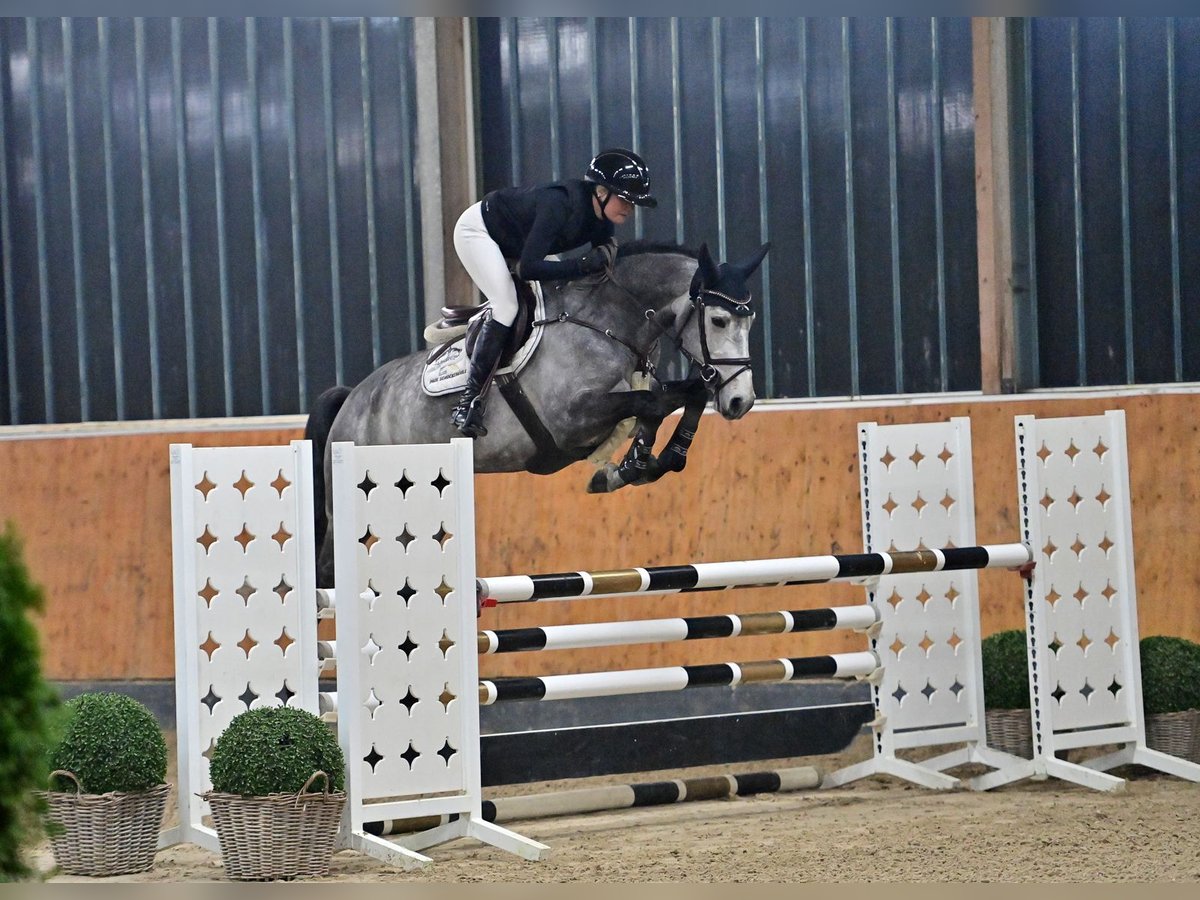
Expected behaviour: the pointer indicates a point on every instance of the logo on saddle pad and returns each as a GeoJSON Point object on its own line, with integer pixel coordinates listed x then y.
{"type": "Point", "coordinates": [446, 369]}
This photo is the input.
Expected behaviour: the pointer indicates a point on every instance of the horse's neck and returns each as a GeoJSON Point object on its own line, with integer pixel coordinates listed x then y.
{"type": "Point", "coordinates": [638, 285]}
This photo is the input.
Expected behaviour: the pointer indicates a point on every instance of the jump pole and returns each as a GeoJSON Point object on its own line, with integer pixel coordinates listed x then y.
{"type": "Point", "coordinates": [654, 631]}
{"type": "Point", "coordinates": [864, 664]}
{"type": "Point", "coordinates": [621, 796]}
{"type": "Point", "coordinates": [677, 678]}
{"type": "Point", "coordinates": [744, 574]}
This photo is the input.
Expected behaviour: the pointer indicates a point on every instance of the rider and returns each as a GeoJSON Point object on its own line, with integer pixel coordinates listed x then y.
{"type": "Point", "coordinates": [526, 225]}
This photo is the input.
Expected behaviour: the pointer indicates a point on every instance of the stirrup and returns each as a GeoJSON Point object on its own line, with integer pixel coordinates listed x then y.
{"type": "Point", "coordinates": [467, 417]}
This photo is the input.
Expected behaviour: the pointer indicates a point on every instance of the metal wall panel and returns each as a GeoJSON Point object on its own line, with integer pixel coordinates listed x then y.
{"type": "Point", "coordinates": [774, 128]}
{"type": "Point", "coordinates": [1116, 199]}
{"type": "Point", "coordinates": [203, 217]}
{"type": "Point", "coordinates": [218, 217]}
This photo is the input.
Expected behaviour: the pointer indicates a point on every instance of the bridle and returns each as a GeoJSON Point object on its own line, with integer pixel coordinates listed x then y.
{"type": "Point", "coordinates": [706, 364]}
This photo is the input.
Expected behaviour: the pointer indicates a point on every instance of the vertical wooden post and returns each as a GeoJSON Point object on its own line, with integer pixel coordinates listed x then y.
{"type": "Point", "coordinates": [993, 199]}
{"type": "Point", "coordinates": [445, 154]}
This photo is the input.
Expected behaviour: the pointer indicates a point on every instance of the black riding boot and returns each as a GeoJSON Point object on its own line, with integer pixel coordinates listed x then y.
{"type": "Point", "coordinates": [468, 412]}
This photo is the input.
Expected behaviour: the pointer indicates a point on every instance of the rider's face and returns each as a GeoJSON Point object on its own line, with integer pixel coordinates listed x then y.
{"type": "Point", "coordinates": [618, 209]}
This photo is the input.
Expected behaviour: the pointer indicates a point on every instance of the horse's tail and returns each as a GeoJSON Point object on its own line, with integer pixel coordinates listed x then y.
{"type": "Point", "coordinates": [316, 429]}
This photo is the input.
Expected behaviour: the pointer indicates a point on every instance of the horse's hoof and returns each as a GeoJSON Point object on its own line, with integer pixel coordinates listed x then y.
{"type": "Point", "coordinates": [599, 483]}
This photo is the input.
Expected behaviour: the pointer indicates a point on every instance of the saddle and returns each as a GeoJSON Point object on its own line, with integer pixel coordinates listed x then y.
{"type": "Point", "coordinates": [459, 320]}
{"type": "Point", "coordinates": [446, 365]}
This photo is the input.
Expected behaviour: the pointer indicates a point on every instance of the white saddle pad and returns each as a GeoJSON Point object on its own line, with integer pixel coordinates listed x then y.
{"type": "Point", "coordinates": [448, 373]}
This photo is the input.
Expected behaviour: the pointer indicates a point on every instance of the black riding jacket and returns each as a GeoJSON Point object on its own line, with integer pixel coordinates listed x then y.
{"type": "Point", "coordinates": [531, 223]}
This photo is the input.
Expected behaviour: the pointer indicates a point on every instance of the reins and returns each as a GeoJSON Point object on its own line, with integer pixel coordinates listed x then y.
{"type": "Point", "coordinates": [643, 357]}
{"type": "Point", "coordinates": [707, 367]}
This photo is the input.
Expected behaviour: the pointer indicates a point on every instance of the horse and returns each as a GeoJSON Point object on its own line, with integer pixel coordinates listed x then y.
{"type": "Point", "coordinates": [598, 348]}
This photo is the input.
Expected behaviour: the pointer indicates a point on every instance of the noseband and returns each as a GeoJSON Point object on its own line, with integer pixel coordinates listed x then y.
{"type": "Point", "coordinates": [707, 366]}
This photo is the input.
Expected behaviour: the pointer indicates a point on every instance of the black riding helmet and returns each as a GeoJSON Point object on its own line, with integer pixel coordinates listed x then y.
{"type": "Point", "coordinates": [624, 173]}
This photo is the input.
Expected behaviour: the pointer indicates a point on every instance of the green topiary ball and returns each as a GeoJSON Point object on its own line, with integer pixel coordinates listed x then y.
{"type": "Point", "coordinates": [274, 750]}
{"type": "Point", "coordinates": [1005, 670]}
{"type": "Point", "coordinates": [110, 742]}
{"type": "Point", "coordinates": [1170, 674]}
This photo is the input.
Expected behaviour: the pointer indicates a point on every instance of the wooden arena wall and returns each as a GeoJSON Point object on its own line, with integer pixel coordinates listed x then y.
{"type": "Point", "coordinates": [93, 512]}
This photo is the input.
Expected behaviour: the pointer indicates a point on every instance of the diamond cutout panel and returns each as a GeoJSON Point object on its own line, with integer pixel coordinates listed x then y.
{"type": "Point", "coordinates": [1092, 570]}
{"type": "Point", "coordinates": [206, 486]}
{"type": "Point", "coordinates": [248, 696]}
{"type": "Point", "coordinates": [247, 643]}
{"type": "Point", "coordinates": [367, 485]}
{"type": "Point", "coordinates": [243, 494]}
{"type": "Point", "coordinates": [244, 537]}
{"type": "Point", "coordinates": [210, 646]}
{"type": "Point", "coordinates": [413, 513]}
{"type": "Point", "coordinates": [280, 483]}
{"type": "Point", "coordinates": [208, 592]}
{"type": "Point", "coordinates": [920, 499]}
{"type": "Point", "coordinates": [283, 641]}
{"type": "Point", "coordinates": [246, 591]}
{"type": "Point", "coordinates": [206, 540]}
{"type": "Point", "coordinates": [243, 484]}
{"type": "Point", "coordinates": [369, 539]}
{"type": "Point", "coordinates": [441, 482]}
{"type": "Point", "coordinates": [282, 536]}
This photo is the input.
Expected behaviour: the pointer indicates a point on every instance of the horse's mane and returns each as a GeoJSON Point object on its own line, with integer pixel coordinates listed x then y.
{"type": "Point", "coordinates": [642, 245]}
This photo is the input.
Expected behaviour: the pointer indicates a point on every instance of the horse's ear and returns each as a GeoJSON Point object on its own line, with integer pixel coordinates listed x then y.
{"type": "Point", "coordinates": [708, 266]}
{"type": "Point", "coordinates": [748, 266]}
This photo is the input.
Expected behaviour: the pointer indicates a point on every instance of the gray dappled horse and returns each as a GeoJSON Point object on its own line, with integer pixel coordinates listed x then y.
{"type": "Point", "coordinates": [577, 387]}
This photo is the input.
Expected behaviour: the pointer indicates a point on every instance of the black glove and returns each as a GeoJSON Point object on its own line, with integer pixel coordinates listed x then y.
{"type": "Point", "coordinates": [598, 259]}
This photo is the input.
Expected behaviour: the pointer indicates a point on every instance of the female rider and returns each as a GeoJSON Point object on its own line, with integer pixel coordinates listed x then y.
{"type": "Point", "coordinates": [526, 225]}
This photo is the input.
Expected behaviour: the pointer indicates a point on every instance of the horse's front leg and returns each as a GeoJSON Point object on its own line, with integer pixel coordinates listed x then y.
{"type": "Point", "coordinates": [674, 455]}
{"type": "Point", "coordinates": [639, 465]}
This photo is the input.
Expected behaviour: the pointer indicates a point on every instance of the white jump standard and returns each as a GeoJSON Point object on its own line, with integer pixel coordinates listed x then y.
{"type": "Point", "coordinates": [1081, 623]}
{"type": "Point", "coordinates": [917, 490]}
{"type": "Point", "coordinates": [407, 625]}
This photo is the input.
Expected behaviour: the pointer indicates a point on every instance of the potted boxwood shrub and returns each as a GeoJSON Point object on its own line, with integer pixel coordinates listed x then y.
{"type": "Point", "coordinates": [1171, 695]}
{"type": "Point", "coordinates": [1006, 692]}
{"type": "Point", "coordinates": [107, 786]}
{"type": "Point", "coordinates": [277, 796]}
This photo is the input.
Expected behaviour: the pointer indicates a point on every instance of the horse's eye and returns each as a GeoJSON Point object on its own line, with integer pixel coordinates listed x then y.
{"type": "Point", "coordinates": [720, 321]}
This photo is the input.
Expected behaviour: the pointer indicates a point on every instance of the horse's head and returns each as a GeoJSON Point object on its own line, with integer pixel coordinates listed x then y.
{"type": "Point", "coordinates": [719, 342]}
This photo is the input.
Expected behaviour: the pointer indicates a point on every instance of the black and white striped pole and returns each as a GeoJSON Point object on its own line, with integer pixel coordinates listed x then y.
{"type": "Point", "coordinates": [861, 567]}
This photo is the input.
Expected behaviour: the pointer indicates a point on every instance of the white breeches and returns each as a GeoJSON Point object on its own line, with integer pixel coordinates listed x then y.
{"type": "Point", "coordinates": [481, 257]}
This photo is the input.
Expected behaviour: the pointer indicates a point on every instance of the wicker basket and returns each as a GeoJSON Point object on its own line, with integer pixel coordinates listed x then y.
{"type": "Point", "coordinates": [1010, 731]}
{"type": "Point", "coordinates": [1176, 733]}
{"type": "Point", "coordinates": [104, 834]}
{"type": "Point", "coordinates": [277, 835]}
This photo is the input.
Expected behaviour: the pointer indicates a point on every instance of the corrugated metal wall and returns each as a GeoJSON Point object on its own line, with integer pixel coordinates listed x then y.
{"type": "Point", "coordinates": [1113, 119]}
{"type": "Point", "coordinates": [203, 217]}
{"type": "Point", "coordinates": [848, 143]}
{"type": "Point", "coordinates": [218, 217]}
